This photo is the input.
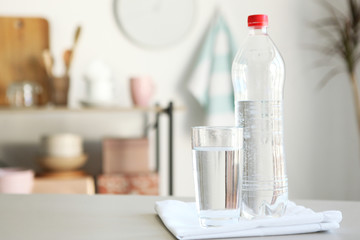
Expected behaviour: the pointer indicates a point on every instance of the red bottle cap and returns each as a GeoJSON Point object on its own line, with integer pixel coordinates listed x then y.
{"type": "Point", "coordinates": [259, 20]}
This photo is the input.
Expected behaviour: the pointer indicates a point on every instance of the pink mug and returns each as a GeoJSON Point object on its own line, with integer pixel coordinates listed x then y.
{"type": "Point", "coordinates": [142, 89]}
{"type": "Point", "coordinates": [16, 180]}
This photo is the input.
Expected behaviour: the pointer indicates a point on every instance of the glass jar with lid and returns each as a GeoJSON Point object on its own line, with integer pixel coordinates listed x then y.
{"type": "Point", "coordinates": [23, 94]}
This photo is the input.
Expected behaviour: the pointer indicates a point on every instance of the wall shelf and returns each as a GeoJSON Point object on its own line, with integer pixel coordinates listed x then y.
{"type": "Point", "coordinates": [153, 109]}
{"type": "Point", "coordinates": [157, 110]}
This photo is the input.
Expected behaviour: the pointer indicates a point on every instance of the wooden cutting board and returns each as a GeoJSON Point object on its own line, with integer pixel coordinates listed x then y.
{"type": "Point", "coordinates": [22, 41]}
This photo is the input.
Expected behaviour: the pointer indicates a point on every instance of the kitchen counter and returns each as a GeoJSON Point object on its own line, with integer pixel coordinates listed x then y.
{"type": "Point", "coordinates": [104, 217]}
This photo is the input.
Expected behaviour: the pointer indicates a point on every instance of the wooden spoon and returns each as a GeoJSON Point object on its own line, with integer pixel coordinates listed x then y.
{"type": "Point", "coordinates": [48, 62]}
{"type": "Point", "coordinates": [69, 53]}
{"type": "Point", "coordinates": [67, 56]}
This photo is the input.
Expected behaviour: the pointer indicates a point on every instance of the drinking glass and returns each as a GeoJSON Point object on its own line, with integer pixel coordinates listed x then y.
{"type": "Point", "coordinates": [217, 167]}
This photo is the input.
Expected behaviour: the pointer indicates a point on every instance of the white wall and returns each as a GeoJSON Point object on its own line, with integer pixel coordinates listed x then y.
{"type": "Point", "coordinates": [321, 142]}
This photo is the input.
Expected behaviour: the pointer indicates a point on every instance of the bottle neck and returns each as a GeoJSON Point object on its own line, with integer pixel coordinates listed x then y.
{"type": "Point", "coordinates": [258, 30]}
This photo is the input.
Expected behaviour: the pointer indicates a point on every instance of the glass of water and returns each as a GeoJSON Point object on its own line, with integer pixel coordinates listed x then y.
{"type": "Point", "coordinates": [217, 173]}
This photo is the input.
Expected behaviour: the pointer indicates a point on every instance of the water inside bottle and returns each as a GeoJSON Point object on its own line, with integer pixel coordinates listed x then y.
{"type": "Point", "coordinates": [264, 181]}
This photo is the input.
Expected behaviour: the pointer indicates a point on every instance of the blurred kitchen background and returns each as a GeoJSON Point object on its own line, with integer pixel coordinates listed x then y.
{"type": "Point", "coordinates": [321, 142]}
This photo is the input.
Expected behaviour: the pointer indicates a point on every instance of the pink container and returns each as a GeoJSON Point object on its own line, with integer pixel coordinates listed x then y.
{"type": "Point", "coordinates": [125, 155]}
{"type": "Point", "coordinates": [16, 180]}
{"type": "Point", "coordinates": [142, 89]}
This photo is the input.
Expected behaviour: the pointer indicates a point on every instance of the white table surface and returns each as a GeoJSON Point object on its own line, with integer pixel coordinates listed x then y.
{"type": "Point", "coordinates": [104, 217]}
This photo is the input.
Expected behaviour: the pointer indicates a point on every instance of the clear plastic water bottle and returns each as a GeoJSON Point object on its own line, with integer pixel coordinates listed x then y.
{"type": "Point", "coordinates": [258, 74]}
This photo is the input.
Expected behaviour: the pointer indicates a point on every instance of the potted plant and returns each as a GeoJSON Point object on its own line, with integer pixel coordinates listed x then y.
{"type": "Point", "coordinates": [342, 32]}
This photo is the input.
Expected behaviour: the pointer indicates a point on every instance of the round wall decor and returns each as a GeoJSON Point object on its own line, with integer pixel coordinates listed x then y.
{"type": "Point", "coordinates": [154, 23]}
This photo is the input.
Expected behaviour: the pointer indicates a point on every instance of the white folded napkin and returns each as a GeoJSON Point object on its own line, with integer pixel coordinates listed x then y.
{"type": "Point", "coordinates": [182, 220]}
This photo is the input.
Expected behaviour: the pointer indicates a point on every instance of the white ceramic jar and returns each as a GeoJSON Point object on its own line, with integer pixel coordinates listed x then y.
{"type": "Point", "coordinates": [62, 145]}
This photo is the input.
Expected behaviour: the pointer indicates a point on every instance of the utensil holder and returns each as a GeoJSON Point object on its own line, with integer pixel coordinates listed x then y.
{"type": "Point", "coordinates": [60, 89]}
